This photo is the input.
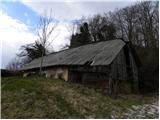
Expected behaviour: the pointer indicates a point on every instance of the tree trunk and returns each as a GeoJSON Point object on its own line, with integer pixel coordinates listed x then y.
{"type": "Point", "coordinates": [41, 63]}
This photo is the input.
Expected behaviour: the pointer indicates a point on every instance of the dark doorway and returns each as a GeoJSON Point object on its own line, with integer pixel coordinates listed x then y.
{"type": "Point", "coordinates": [76, 77]}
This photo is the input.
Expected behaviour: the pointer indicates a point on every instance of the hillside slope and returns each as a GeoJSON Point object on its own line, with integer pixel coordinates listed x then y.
{"type": "Point", "coordinates": [39, 97]}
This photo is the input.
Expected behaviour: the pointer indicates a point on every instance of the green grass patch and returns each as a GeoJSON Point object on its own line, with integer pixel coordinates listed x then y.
{"type": "Point", "coordinates": [18, 83]}
{"type": "Point", "coordinates": [39, 97]}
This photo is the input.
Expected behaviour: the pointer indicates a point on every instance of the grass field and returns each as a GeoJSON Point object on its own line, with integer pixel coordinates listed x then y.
{"type": "Point", "coordinates": [39, 97]}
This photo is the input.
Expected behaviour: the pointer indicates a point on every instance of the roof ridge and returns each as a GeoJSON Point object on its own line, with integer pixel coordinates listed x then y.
{"type": "Point", "coordinates": [87, 52]}
{"type": "Point", "coordinates": [83, 45]}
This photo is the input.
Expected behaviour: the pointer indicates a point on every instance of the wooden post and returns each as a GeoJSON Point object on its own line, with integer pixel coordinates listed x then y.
{"type": "Point", "coordinates": [110, 86]}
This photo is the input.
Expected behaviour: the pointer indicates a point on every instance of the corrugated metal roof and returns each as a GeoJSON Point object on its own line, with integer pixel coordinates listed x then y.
{"type": "Point", "coordinates": [101, 53]}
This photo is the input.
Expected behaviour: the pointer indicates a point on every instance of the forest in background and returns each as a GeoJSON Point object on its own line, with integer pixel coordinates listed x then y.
{"type": "Point", "coordinates": [138, 23]}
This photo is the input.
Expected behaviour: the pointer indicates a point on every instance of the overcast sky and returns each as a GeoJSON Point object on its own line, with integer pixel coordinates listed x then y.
{"type": "Point", "coordinates": [18, 21]}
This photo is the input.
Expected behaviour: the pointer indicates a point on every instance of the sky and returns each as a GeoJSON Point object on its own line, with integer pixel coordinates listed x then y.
{"type": "Point", "coordinates": [19, 20]}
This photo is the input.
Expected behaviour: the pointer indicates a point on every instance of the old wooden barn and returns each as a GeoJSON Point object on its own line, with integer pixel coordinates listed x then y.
{"type": "Point", "coordinates": [109, 65]}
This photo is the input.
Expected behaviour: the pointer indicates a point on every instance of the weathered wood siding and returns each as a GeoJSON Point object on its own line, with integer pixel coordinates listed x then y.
{"type": "Point", "coordinates": [91, 76]}
{"type": "Point", "coordinates": [119, 74]}
{"type": "Point", "coordinates": [127, 79]}
{"type": "Point", "coordinates": [118, 67]}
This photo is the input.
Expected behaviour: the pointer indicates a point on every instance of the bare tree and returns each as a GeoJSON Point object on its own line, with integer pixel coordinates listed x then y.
{"type": "Point", "coordinates": [72, 27]}
{"type": "Point", "coordinates": [138, 23]}
{"type": "Point", "coordinates": [95, 24]}
{"type": "Point", "coordinates": [45, 29]}
{"type": "Point", "coordinates": [101, 27]}
{"type": "Point", "coordinates": [31, 51]}
{"type": "Point", "coordinates": [148, 19]}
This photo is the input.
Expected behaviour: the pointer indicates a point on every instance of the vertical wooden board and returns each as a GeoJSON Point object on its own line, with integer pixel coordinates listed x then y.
{"type": "Point", "coordinates": [118, 67]}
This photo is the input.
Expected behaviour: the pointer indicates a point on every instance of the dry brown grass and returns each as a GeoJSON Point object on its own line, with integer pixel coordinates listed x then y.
{"type": "Point", "coordinates": [38, 97]}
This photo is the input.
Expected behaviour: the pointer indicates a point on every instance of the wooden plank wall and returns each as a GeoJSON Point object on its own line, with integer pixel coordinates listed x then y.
{"type": "Point", "coordinates": [127, 82]}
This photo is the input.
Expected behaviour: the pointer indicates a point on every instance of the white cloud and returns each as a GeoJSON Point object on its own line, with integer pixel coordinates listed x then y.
{"type": "Point", "coordinates": [69, 10]}
{"type": "Point", "coordinates": [13, 34]}
{"type": "Point", "coordinates": [59, 37]}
